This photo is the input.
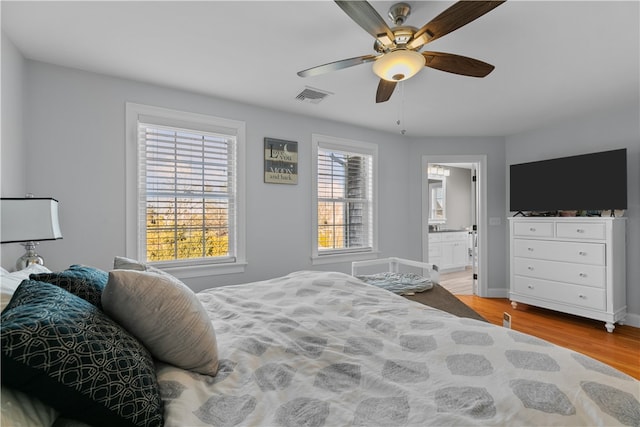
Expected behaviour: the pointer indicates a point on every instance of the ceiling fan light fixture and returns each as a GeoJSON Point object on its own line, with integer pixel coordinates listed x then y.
{"type": "Point", "coordinates": [398, 65]}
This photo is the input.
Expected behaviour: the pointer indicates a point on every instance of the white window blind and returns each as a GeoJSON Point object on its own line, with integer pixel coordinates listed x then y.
{"type": "Point", "coordinates": [187, 194]}
{"type": "Point", "coordinates": [344, 200]}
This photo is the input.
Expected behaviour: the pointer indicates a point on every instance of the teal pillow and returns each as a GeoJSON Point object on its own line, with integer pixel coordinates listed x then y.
{"type": "Point", "coordinates": [66, 352]}
{"type": "Point", "coordinates": [81, 280]}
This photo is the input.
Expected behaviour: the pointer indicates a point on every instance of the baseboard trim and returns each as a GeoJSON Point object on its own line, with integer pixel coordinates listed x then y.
{"type": "Point", "coordinates": [632, 320]}
{"type": "Point", "coordinates": [497, 293]}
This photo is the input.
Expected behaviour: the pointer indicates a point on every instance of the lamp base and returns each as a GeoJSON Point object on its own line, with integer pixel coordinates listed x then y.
{"type": "Point", "coordinates": [30, 257]}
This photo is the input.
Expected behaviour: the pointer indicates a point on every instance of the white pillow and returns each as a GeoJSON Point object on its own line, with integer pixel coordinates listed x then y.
{"type": "Point", "coordinates": [165, 315]}
{"type": "Point", "coordinates": [19, 409]}
{"type": "Point", "coordinates": [9, 282]}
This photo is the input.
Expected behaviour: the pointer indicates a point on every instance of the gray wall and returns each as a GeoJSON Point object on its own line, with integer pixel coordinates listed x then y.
{"type": "Point", "coordinates": [63, 136]}
{"type": "Point", "coordinates": [494, 149]}
{"type": "Point", "coordinates": [13, 151]}
{"type": "Point", "coordinates": [598, 132]}
{"type": "Point", "coordinates": [75, 141]}
{"type": "Point", "coordinates": [13, 170]}
{"type": "Point", "coordinates": [77, 154]}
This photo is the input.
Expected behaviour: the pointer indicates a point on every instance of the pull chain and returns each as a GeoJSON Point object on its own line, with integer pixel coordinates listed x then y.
{"type": "Point", "coordinates": [400, 121]}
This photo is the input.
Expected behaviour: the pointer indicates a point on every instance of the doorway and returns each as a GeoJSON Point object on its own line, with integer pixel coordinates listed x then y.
{"type": "Point", "coordinates": [454, 230]}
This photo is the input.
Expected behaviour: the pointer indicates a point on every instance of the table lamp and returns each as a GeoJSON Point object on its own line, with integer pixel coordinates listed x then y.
{"type": "Point", "coordinates": [28, 221]}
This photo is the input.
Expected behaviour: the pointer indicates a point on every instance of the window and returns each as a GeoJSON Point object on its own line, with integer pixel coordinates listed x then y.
{"type": "Point", "coordinates": [344, 199]}
{"type": "Point", "coordinates": [188, 189]}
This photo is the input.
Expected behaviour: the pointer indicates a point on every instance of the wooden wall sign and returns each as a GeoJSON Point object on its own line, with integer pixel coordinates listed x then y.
{"type": "Point", "coordinates": [280, 161]}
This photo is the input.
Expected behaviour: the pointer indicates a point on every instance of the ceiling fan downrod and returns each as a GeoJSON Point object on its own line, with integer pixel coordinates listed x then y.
{"type": "Point", "coordinates": [399, 12]}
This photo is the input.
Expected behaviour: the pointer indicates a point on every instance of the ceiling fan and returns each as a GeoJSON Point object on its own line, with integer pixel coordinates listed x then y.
{"type": "Point", "coordinates": [399, 57]}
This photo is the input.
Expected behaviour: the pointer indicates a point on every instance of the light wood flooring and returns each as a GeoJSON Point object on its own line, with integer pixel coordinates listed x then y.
{"type": "Point", "coordinates": [458, 282]}
{"type": "Point", "coordinates": [620, 349]}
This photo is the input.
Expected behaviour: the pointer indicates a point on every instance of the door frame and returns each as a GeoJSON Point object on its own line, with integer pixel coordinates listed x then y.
{"type": "Point", "coordinates": [481, 202]}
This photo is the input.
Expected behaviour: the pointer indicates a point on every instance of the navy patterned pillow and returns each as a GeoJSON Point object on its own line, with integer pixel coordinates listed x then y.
{"type": "Point", "coordinates": [66, 352]}
{"type": "Point", "coordinates": [81, 280]}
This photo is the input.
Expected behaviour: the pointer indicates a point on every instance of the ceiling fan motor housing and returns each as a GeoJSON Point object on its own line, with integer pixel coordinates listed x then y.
{"type": "Point", "coordinates": [401, 36]}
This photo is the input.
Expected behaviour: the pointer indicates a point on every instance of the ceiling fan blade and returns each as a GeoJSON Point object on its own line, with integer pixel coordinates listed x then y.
{"type": "Point", "coordinates": [366, 16]}
{"type": "Point", "coordinates": [457, 64]}
{"type": "Point", "coordinates": [337, 65]}
{"type": "Point", "coordinates": [385, 89]}
{"type": "Point", "coordinates": [458, 15]}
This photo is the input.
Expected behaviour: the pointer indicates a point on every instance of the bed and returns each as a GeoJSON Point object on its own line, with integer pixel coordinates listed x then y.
{"type": "Point", "coordinates": [323, 349]}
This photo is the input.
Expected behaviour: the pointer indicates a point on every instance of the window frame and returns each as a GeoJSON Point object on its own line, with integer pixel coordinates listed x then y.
{"type": "Point", "coordinates": [134, 230]}
{"type": "Point", "coordinates": [350, 146]}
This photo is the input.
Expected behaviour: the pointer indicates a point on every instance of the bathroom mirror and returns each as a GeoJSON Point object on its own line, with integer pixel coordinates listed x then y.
{"type": "Point", "coordinates": [437, 199]}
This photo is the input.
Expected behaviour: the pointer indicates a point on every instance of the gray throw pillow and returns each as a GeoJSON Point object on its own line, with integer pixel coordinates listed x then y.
{"type": "Point", "coordinates": [165, 315]}
{"type": "Point", "coordinates": [124, 263]}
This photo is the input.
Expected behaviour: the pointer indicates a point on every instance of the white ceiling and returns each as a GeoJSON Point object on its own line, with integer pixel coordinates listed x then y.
{"type": "Point", "coordinates": [553, 60]}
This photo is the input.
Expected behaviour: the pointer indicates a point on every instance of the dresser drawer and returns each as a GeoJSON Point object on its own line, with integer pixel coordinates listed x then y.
{"type": "Point", "coordinates": [533, 229]}
{"type": "Point", "coordinates": [582, 230]}
{"type": "Point", "coordinates": [576, 295]}
{"type": "Point", "coordinates": [579, 252]}
{"type": "Point", "coordinates": [580, 274]}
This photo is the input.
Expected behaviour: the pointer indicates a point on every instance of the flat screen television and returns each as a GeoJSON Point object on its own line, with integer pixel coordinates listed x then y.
{"type": "Point", "coordinates": [592, 182]}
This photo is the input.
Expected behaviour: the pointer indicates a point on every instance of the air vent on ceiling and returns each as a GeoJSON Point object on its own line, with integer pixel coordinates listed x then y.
{"type": "Point", "coordinates": [312, 95]}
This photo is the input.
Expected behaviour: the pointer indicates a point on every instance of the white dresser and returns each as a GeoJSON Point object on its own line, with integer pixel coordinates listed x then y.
{"type": "Point", "coordinates": [575, 265]}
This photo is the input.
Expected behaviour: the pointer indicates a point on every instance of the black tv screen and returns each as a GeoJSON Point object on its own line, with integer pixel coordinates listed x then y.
{"type": "Point", "coordinates": [595, 181]}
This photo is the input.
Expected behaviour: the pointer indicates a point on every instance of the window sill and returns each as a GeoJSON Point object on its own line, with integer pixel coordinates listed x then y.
{"type": "Point", "coordinates": [193, 271]}
{"type": "Point", "coordinates": [346, 257]}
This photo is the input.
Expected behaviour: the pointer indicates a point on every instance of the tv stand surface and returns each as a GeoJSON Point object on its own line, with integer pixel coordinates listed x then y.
{"type": "Point", "coordinates": [575, 265]}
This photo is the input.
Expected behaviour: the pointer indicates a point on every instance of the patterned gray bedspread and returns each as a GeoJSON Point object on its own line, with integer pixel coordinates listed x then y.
{"type": "Point", "coordinates": [325, 349]}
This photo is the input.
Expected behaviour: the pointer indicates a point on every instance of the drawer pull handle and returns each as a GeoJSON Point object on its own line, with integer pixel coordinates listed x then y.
{"type": "Point", "coordinates": [579, 230]}
{"type": "Point", "coordinates": [582, 296]}
{"type": "Point", "coordinates": [532, 229]}
{"type": "Point", "coordinates": [530, 286]}
{"type": "Point", "coordinates": [530, 249]}
{"type": "Point", "coordinates": [582, 275]}
{"type": "Point", "coordinates": [582, 253]}
{"type": "Point", "coordinates": [530, 268]}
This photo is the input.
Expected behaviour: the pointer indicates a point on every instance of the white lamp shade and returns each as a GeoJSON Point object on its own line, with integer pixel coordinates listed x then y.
{"type": "Point", "coordinates": [398, 65]}
{"type": "Point", "coordinates": [29, 219]}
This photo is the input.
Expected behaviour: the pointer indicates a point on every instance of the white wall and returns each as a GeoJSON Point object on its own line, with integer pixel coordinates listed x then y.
{"type": "Point", "coordinates": [13, 153]}
{"type": "Point", "coordinates": [598, 132]}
